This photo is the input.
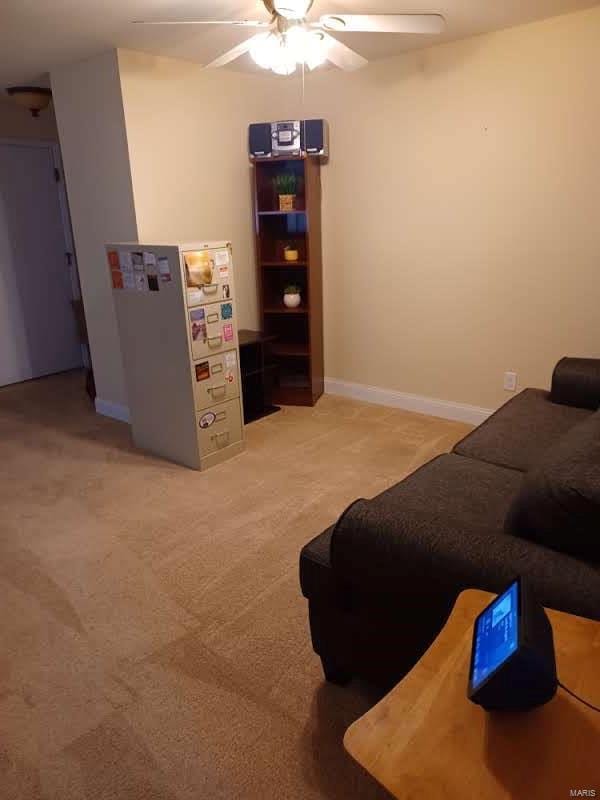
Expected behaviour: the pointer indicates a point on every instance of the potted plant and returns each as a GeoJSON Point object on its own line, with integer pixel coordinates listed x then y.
{"type": "Point", "coordinates": [291, 296]}
{"type": "Point", "coordinates": [290, 253]}
{"type": "Point", "coordinates": [286, 185]}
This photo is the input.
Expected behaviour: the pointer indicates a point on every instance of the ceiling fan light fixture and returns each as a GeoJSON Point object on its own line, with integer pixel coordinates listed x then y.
{"type": "Point", "coordinates": [284, 67]}
{"type": "Point", "coordinates": [264, 50]}
{"type": "Point", "coordinates": [282, 52]}
{"type": "Point", "coordinates": [284, 57]}
{"type": "Point", "coordinates": [309, 47]}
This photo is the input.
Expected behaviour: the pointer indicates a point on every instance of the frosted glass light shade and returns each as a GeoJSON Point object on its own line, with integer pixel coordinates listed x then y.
{"type": "Point", "coordinates": [281, 52]}
{"type": "Point", "coordinates": [35, 98]}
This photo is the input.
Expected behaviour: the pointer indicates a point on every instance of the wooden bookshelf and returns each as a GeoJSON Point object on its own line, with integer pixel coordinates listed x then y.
{"type": "Point", "coordinates": [298, 350]}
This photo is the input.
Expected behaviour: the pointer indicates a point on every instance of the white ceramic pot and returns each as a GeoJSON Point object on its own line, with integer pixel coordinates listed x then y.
{"type": "Point", "coordinates": [292, 300]}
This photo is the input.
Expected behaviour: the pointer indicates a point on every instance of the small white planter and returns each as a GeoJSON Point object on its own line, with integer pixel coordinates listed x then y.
{"type": "Point", "coordinates": [292, 300]}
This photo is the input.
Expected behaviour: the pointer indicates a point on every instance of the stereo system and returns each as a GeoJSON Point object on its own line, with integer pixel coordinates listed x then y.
{"type": "Point", "coordinates": [289, 138]}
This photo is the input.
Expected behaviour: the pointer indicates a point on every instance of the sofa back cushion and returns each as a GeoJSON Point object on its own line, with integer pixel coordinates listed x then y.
{"type": "Point", "coordinates": [576, 382]}
{"type": "Point", "coordinates": [558, 504]}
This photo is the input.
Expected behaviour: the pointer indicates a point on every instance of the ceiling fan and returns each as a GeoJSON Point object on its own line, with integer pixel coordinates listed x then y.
{"type": "Point", "coordinates": [289, 39]}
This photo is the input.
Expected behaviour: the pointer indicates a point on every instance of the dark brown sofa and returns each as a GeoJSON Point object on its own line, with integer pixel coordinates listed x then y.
{"type": "Point", "coordinates": [381, 582]}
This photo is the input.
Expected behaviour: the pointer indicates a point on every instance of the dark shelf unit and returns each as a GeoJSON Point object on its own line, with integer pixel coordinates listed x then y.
{"type": "Point", "coordinates": [258, 370]}
{"type": "Point", "coordinates": [298, 349]}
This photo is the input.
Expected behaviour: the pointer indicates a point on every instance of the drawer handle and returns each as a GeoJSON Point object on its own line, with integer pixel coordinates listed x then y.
{"type": "Point", "coordinates": [215, 341]}
{"type": "Point", "coordinates": [221, 439]}
{"type": "Point", "coordinates": [217, 390]}
{"type": "Point", "coordinates": [210, 288]}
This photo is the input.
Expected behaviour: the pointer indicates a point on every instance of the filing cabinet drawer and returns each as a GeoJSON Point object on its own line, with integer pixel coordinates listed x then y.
{"type": "Point", "coordinates": [208, 275]}
{"type": "Point", "coordinates": [219, 426]}
{"type": "Point", "coordinates": [213, 329]}
{"type": "Point", "coordinates": [216, 379]}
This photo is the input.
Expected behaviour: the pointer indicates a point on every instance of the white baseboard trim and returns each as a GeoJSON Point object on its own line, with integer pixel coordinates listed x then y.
{"type": "Point", "coordinates": [460, 412]}
{"type": "Point", "coordinates": [114, 410]}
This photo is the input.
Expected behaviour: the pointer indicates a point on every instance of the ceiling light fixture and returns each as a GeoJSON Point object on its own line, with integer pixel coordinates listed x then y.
{"type": "Point", "coordinates": [35, 98]}
{"type": "Point", "coordinates": [281, 52]}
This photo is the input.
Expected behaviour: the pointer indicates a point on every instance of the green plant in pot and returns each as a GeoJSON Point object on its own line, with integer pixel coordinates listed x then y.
{"type": "Point", "coordinates": [292, 296]}
{"type": "Point", "coordinates": [290, 252]}
{"type": "Point", "coordinates": [286, 186]}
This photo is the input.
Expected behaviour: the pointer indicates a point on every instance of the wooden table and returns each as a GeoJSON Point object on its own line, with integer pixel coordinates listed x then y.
{"type": "Point", "coordinates": [425, 739]}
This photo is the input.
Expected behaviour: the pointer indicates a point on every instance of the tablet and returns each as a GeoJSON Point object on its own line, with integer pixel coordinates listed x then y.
{"type": "Point", "coordinates": [495, 636]}
{"type": "Point", "coordinates": [512, 657]}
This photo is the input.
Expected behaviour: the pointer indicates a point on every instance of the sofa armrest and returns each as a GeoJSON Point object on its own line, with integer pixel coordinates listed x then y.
{"type": "Point", "coordinates": [576, 382]}
{"type": "Point", "coordinates": [416, 554]}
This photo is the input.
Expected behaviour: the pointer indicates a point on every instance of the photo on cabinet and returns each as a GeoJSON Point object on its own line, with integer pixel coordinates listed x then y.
{"type": "Point", "coordinates": [198, 320]}
{"type": "Point", "coordinates": [199, 268]}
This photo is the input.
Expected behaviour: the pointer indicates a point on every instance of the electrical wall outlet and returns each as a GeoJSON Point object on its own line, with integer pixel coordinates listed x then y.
{"type": "Point", "coordinates": [510, 381]}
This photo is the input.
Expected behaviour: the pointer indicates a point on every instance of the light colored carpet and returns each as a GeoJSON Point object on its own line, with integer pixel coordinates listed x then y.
{"type": "Point", "coordinates": [154, 640]}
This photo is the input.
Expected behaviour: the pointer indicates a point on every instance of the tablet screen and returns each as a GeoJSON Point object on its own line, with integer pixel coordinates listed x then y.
{"type": "Point", "coordinates": [496, 635]}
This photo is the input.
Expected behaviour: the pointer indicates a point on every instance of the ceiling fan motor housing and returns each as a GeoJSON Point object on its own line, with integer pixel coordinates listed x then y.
{"type": "Point", "coordinates": [290, 9]}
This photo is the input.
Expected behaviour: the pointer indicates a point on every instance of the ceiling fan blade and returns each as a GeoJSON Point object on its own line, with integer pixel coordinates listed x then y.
{"type": "Point", "coordinates": [384, 23]}
{"type": "Point", "coordinates": [342, 56]}
{"type": "Point", "coordinates": [240, 23]}
{"type": "Point", "coordinates": [234, 53]}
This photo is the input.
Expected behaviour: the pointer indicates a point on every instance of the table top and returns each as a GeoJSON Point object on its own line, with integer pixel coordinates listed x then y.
{"type": "Point", "coordinates": [425, 739]}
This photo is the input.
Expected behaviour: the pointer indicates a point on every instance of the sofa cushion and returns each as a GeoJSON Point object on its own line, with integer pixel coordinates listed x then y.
{"type": "Point", "coordinates": [469, 492]}
{"type": "Point", "coordinates": [576, 382]}
{"type": "Point", "coordinates": [462, 489]}
{"type": "Point", "coordinates": [520, 431]}
{"type": "Point", "coordinates": [402, 560]}
{"type": "Point", "coordinates": [558, 504]}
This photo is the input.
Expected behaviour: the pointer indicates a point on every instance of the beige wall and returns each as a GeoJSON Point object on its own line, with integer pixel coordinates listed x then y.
{"type": "Point", "coordinates": [89, 112]}
{"type": "Point", "coordinates": [461, 207]}
{"type": "Point", "coordinates": [17, 122]}
{"type": "Point", "coordinates": [187, 131]}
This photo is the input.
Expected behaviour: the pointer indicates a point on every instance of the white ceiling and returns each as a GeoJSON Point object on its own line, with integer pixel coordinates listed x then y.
{"type": "Point", "coordinates": [38, 35]}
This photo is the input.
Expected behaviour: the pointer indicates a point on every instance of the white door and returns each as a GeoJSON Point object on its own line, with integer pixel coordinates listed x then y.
{"type": "Point", "coordinates": [38, 334]}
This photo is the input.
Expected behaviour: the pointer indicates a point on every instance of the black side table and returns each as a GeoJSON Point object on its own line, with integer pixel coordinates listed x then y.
{"type": "Point", "coordinates": [259, 371]}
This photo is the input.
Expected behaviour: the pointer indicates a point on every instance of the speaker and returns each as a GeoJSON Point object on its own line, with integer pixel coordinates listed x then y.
{"type": "Point", "coordinates": [315, 137]}
{"type": "Point", "coordinates": [513, 666]}
{"type": "Point", "coordinates": [259, 140]}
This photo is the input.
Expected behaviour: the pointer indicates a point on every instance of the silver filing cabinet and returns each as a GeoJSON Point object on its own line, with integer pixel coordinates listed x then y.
{"type": "Point", "coordinates": [176, 312]}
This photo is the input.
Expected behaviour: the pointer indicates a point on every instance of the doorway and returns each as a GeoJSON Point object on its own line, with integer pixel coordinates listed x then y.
{"type": "Point", "coordinates": [38, 279]}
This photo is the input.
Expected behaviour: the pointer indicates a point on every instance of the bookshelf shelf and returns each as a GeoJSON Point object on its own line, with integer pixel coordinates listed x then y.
{"type": "Point", "coordinates": [285, 310]}
{"type": "Point", "coordinates": [279, 213]}
{"type": "Point", "coordinates": [284, 264]}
